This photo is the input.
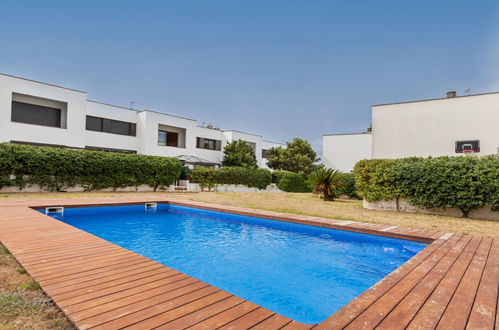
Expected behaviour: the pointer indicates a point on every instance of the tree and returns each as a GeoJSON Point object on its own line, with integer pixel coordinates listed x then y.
{"type": "Point", "coordinates": [239, 153]}
{"type": "Point", "coordinates": [326, 182]}
{"type": "Point", "coordinates": [297, 157]}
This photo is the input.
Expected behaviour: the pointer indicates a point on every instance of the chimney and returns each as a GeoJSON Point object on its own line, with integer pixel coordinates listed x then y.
{"type": "Point", "coordinates": [451, 94]}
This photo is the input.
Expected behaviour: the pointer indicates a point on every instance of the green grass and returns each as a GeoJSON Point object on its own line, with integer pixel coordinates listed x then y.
{"type": "Point", "coordinates": [31, 285]}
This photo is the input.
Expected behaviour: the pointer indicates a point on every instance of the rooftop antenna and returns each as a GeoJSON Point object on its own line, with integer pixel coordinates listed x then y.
{"type": "Point", "coordinates": [467, 91]}
{"type": "Point", "coordinates": [132, 103]}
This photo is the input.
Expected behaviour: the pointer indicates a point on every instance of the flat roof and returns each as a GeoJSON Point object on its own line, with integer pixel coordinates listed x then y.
{"type": "Point", "coordinates": [435, 99]}
{"type": "Point", "coordinates": [362, 133]}
{"type": "Point", "coordinates": [43, 83]}
{"type": "Point", "coordinates": [233, 130]}
{"type": "Point", "coordinates": [274, 142]}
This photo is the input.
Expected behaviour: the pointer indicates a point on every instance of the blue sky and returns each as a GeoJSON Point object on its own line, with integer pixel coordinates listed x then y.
{"type": "Point", "coordinates": [277, 68]}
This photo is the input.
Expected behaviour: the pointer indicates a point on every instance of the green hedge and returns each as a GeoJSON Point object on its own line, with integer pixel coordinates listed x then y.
{"type": "Point", "coordinates": [290, 181]}
{"type": "Point", "coordinates": [208, 177]}
{"type": "Point", "coordinates": [347, 186]}
{"type": "Point", "coordinates": [467, 183]}
{"type": "Point", "coordinates": [57, 169]}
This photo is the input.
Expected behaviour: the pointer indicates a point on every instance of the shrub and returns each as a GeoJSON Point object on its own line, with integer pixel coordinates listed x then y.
{"type": "Point", "coordinates": [325, 182]}
{"type": "Point", "coordinates": [347, 185]}
{"type": "Point", "coordinates": [442, 182]}
{"type": "Point", "coordinates": [291, 182]}
{"type": "Point", "coordinates": [57, 169]}
{"type": "Point", "coordinates": [239, 153]}
{"type": "Point", "coordinates": [208, 177]}
{"type": "Point", "coordinates": [184, 173]}
{"type": "Point", "coordinates": [205, 176]}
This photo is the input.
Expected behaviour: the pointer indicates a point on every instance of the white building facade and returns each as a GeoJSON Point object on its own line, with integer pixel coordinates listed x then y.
{"type": "Point", "coordinates": [448, 126]}
{"type": "Point", "coordinates": [37, 113]}
{"type": "Point", "coordinates": [342, 151]}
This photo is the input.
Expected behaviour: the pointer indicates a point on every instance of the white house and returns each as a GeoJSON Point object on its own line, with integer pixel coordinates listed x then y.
{"type": "Point", "coordinates": [342, 151]}
{"type": "Point", "coordinates": [436, 127]}
{"type": "Point", "coordinates": [38, 113]}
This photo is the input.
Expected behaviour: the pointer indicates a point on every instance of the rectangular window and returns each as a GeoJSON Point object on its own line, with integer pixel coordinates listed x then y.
{"type": "Point", "coordinates": [35, 114]}
{"type": "Point", "coordinates": [210, 144]}
{"type": "Point", "coordinates": [264, 153]}
{"type": "Point", "coordinates": [110, 126]}
{"type": "Point", "coordinates": [166, 138]}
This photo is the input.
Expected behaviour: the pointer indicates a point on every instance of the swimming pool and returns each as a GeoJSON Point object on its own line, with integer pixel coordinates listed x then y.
{"type": "Point", "coordinates": [303, 272]}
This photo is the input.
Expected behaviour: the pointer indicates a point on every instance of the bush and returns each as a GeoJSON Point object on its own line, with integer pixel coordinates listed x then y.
{"type": "Point", "coordinates": [57, 169]}
{"type": "Point", "coordinates": [347, 186]}
{"type": "Point", "coordinates": [467, 183]}
{"type": "Point", "coordinates": [291, 182]}
{"type": "Point", "coordinates": [208, 177]}
{"type": "Point", "coordinates": [184, 173]}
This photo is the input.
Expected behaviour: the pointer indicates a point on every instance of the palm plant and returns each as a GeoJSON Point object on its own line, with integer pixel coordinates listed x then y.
{"type": "Point", "coordinates": [325, 182]}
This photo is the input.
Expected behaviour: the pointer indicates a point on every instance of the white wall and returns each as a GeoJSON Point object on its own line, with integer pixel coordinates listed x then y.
{"type": "Point", "coordinates": [72, 135]}
{"type": "Point", "coordinates": [109, 140]}
{"type": "Point", "coordinates": [431, 128]}
{"type": "Point", "coordinates": [147, 133]}
{"type": "Point", "coordinates": [214, 156]}
{"type": "Point", "coordinates": [342, 151]}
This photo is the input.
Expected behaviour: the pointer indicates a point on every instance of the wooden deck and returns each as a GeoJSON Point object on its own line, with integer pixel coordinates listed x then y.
{"type": "Point", "coordinates": [451, 284]}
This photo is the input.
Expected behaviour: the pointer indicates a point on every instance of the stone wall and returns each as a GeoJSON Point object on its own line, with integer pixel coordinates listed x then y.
{"type": "Point", "coordinates": [484, 213]}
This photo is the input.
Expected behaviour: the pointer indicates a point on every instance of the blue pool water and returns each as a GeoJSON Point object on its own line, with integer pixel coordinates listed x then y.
{"type": "Point", "coordinates": [303, 272]}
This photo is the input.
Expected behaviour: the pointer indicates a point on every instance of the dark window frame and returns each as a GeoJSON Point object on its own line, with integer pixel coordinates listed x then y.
{"type": "Point", "coordinates": [106, 124]}
{"type": "Point", "coordinates": [200, 144]}
{"type": "Point", "coordinates": [19, 109]}
{"type": "Point", "coordinates": [168, 143]}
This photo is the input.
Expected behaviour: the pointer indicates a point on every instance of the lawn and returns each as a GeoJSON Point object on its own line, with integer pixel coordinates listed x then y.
{"type": "Point", "coordinates": [23, 305]}
{"type": "Point", "coordinates": [308, 204]}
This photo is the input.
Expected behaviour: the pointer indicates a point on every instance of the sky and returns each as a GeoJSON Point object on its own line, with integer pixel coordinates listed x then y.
{"type": "Point", "coordinates": [281, 69]}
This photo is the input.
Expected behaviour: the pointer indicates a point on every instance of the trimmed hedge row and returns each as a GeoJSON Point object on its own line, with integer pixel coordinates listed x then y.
{"type": "Point", "coordinates": [58, 169]}
{"type": "Point", "coordinates": [467, 183]}
{"type": "Point", "coordinates": [290, 181]}
{"type": "Point", "coordinates": [208, 177]}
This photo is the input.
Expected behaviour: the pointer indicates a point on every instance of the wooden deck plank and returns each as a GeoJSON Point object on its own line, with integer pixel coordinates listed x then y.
{"type": "Point", "coordinates": [430, 313]}
{"type": "Point", "coordinates": [154, 280]}
{"type": "Point", "coordinates": [378, 310]}
{"type": "Point", "coordinates": [248, 320]}
{"type": "Point", "coordinates": [276, 321]}
{"type": "Point", "coordinates": [485, 307]}
{"type": "Point", "coordinates": [118, 283]}
{"type": "Point", "coordinates": [138, 310]}
{"type": "Point", "coordinates": [297, 326]}
{"type": "Point", "coordinates": [459, 308]}
{"type": "Point", "coordinates": [111, 307]}
{"type": "Point", "coordinates": [202, 314]}
{"type": "Point", "coordinates": [349, 312]}
{"type": "Point", "coordinates": [225, 317]}
{"type": "Point", "coordinates": [75, 278]}
{"type": "Point", "coordinates": [402, 314]}
{"type": "Point", "coordinates": [156, 316]}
